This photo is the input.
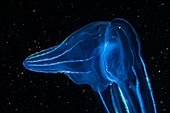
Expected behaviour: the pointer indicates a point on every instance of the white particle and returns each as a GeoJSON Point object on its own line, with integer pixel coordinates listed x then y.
{"type": "Point", "coordinates": [161, 102]}
{"type": "Point", "coordinates": [35, 41]}
{"type": "Point", "coordinates": [87, 110]}
{"type": "Point", "coordinates": [162, 4]}
{"type": "Point", "coordinates": [46, 106]}
{"type": "Point", "coordinates": [164, 110]}
{"type": "Point", "coordinates": [152, 58]}
{"type": "Point", "coordinates": [159, 71]}
{"type": "Point", "coordinates": [41, 103]}
{"type": "Point", "coordinates": [165, 57]}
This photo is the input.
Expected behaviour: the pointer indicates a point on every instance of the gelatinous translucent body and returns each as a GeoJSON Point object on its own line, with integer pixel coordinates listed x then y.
{"type": "Point", "coordinates": [106, 56]}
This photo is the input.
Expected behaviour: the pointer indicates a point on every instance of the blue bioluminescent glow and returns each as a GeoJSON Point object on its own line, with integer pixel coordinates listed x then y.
{"type": "Point", "coordinates": [106, 56]}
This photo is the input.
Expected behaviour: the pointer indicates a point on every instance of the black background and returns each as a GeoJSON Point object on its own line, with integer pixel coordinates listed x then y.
{"type": "Point", "coordinates": [28, 27]}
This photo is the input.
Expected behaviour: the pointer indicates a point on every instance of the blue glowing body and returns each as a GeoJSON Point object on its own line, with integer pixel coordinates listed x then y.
{"type": "Point", "coordinates": [106, 56]}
